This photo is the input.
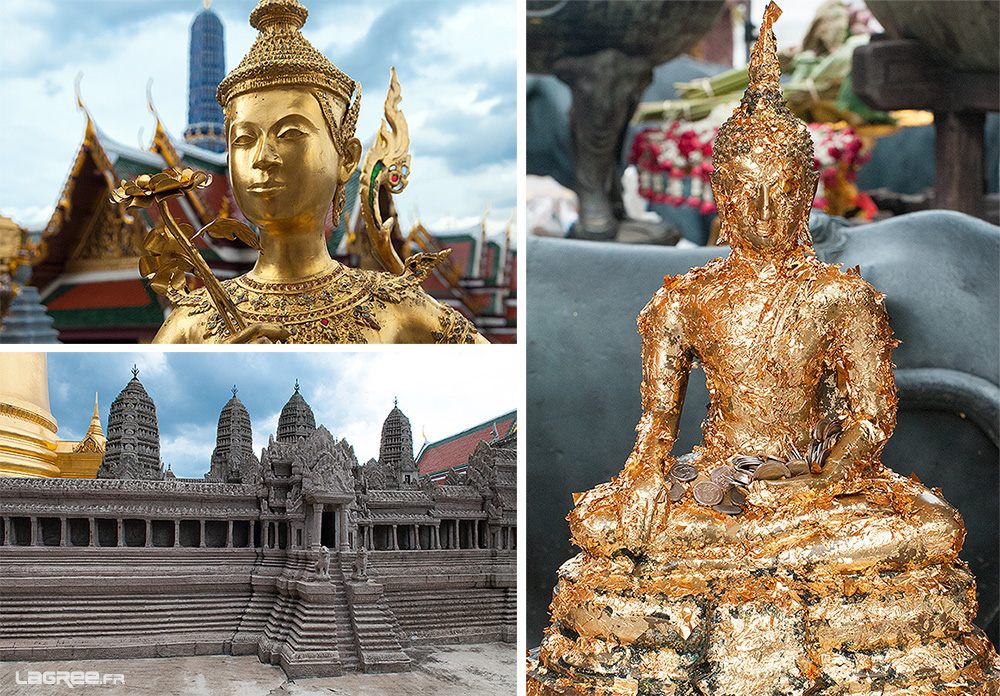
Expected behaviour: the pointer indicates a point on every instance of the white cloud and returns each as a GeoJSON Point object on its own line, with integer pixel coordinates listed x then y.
{"type": "Point", "coordinates": [440, 195]}
{"type": "Point", "coordinates": [189, 454]}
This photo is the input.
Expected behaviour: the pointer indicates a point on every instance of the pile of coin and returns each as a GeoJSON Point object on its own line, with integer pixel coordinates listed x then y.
{"type": "Point", "coordinates": [824, 437]}
{"type": "Point", "coordinates": [725, 489]}
{"type": "Point", "coordinates": [714, 492]}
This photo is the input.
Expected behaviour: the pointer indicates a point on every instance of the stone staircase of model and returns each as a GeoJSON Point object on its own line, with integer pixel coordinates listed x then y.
{"type": "Point", "coordinates": [133, 626]}
{"type": "Point", "coordinates": [67, 603]}
{"type": "Point", "coordinates": [306, 623]}
{"type": "Point", "coordinates": [459, 616]}
{"type": "Point", "coordinates": [377, 633]}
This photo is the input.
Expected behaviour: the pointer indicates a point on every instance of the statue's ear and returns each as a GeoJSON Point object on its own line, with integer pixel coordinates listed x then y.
{"type": "Point", "coordinates": [349, 159]}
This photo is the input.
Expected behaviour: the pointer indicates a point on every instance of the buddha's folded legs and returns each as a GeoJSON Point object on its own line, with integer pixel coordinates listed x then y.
{"type": "Point", "coordinates": [879, 519]}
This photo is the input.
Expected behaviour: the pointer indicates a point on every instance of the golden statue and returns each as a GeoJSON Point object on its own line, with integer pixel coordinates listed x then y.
{"type": "Point", "coordinates": [290, 123]}
{"type": "Point", "coordinates": [781, 556]}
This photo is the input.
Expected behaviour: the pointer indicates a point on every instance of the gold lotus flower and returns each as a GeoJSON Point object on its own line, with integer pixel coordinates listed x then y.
{"type": "Point", "coordinates": [171, 253]}
{"type": "Point", "coordinates": [146, 189]}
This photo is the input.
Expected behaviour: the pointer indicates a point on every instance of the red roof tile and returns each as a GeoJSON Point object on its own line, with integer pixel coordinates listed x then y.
{"type": "Point", "coordinates": [112, 293]}
{"type": "Point", "coordinates": [455, 450]}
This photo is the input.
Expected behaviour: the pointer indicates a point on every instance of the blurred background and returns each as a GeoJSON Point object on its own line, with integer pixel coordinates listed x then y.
{"type": "Point", "coordinates": [901, 100]}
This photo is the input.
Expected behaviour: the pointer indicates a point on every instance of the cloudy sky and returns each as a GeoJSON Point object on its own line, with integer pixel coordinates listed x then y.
{"type": "Point", "coordinates": [456, 61]}
{"type": "Point", "coordinates": [441, 391]}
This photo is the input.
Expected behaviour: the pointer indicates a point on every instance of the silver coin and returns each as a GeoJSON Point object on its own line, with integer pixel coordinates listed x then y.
{"type": "Point", "coordinates": [677, 492]}
{"type": "Point", "coordinates": [747, 463]}
{"type": "Point", "coordinates": [737, 496]}
{"type": "Point", "coordinates": [771, 471]}
{"type": "Point", "coordinates": [684, 472]}
{"type": "Point", "coordinates": [832, 428]}
{"type": "Point", "coordinates": [727, 509]}
{"type": "Point", "coordinates": [708, 493]}
{"type": "Point", "coordinates": [819, 428]}
{"type": "Point", "coordinates": [723, 475]}
{"type": "Point", "coordinates": [742, 477]}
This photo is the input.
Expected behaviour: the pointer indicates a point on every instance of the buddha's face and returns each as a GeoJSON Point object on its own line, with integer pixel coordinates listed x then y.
{"type": "Point", "coordinates": [763, 198]}
{"type": "Point", "coordinates": [282, 160]}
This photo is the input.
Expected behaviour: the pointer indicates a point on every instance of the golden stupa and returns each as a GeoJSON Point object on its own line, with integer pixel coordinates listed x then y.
{"type": "Point", "coordinates": [29, 445]}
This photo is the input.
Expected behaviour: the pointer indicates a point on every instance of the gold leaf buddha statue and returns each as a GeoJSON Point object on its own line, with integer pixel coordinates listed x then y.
{"type": "Point", "coordinates": [290, 123]}
{"type": "Point", "coordinates": [780, 557]}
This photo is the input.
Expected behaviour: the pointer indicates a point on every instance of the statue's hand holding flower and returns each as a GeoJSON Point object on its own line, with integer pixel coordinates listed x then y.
{"type": "Point", "coordinates": [171, 253]}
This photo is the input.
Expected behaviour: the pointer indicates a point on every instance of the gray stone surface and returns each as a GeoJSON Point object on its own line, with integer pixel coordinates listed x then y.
{"type": "Point", "coordinates": [488, 669]}
{"type": "Point", "coordinates": [133, 447]}
{"type": "Point", "coordinates": [233, 460]}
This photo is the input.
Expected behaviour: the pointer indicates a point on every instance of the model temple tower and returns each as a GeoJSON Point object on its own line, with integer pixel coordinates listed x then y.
{"type": "Point", "coordinates": [206, 126]}
{"type": "Point", "coordinates": [296, 419]}
{"type": "Point", "coordinates": [233, 460]}
{"type": "Point", "coordinates": [395, 454]}
{"type": "Point", "coordinates": [133, 444]}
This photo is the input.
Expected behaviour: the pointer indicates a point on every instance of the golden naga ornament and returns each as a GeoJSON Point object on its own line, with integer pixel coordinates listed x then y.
{"type": "Point", "coordinates": [384, 173]}
{"type": "Point", "coordinates": [290, 120]}
{"type": "Point", "coordinates": [779, 557]}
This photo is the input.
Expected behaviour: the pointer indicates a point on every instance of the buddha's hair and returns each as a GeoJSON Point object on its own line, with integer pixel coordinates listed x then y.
{"type": "Point", "coordinates": [763, 119]}
{"type": "Point", "coordinates": [763, 116]}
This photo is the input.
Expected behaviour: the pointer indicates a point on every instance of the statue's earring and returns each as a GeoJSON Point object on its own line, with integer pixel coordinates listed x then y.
{"type": "Point", "coordinates": [339, 200]}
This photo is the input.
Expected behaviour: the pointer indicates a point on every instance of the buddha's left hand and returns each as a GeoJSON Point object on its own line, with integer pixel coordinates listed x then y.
{"type": "Point", "coordinates": [854, 443]}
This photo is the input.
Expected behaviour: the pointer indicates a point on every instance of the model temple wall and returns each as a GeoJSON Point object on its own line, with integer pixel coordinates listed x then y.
{"type": "Point", "coordinates": [306, 564]}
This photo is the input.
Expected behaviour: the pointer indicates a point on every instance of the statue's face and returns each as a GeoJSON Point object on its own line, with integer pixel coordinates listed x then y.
{"type": "Point", "coordinates": [763, 198]}
{"type": "Point", "coordinates": [282, 161]}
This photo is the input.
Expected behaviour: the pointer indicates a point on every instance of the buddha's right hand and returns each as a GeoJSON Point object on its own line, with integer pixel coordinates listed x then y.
{"type": "Point", "coordinates": [623, 513]}
{"type": "Point", "coordinates": [260, 332]}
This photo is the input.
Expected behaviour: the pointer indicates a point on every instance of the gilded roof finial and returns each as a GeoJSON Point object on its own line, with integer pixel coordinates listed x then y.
{"type": "Point", "coordinates": [79, 98]}
{"type": "Point", "coordinates": [95, 421]}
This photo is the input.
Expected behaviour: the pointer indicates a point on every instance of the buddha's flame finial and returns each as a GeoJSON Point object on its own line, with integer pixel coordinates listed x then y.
{"type": "Point", "coordinates": [764, 69]}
